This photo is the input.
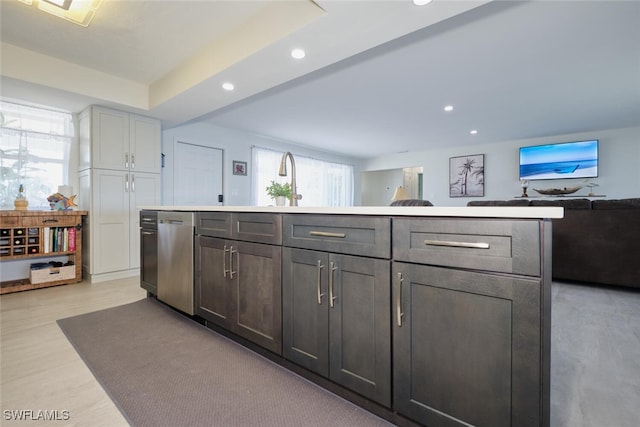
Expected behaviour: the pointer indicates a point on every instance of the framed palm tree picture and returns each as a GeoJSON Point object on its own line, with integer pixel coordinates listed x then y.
{"type": "Point", "coordinates": [466, 176]}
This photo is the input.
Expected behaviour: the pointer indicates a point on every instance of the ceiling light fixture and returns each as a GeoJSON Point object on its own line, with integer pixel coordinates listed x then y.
{"type": "Point", "coordinates": [474, 132]}
{"type": "Point", "coordinates": [448, 108]}
{"type": "Point", "coordinates": [298, 53]}
{"type": "Point", "coordinates": [228, 86]}
{"type": "Point", "coordinates": [79, 12]}
{"type": "Point", "coordinates": [421, 2]}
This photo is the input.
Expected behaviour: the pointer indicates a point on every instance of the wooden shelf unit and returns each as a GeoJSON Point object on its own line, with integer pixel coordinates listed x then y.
{"type": "Point", "coordinates": [22, 237]}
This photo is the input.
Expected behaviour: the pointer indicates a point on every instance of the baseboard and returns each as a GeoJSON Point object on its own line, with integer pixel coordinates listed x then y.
{"type": "Point", "coordinates": [114, 275]}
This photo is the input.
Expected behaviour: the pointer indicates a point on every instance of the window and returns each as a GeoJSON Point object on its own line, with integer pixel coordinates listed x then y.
{"type": "Point", "coordinates": [34, 152]}
{"type": "Point", "coordinates": [321, 183]}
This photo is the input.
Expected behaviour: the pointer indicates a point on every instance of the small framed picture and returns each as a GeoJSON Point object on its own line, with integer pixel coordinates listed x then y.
{"type": "Point", "coordinates": [239, 168]}
{"type": "Point", "coordinates": [466, 176]}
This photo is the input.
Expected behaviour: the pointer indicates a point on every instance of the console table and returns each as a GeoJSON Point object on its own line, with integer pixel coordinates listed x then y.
{"type": "Point", "coordinates": [39, 234]}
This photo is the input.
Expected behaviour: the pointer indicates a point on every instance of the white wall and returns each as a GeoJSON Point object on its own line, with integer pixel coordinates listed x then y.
{"type": "Point", "coordinates": [236, 145]}
{"type": "Point", "coordinates": [619, 168]}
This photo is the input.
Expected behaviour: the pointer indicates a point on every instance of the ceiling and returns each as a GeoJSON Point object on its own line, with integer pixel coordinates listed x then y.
{"type": "Point", "coordinates": [375, 80]}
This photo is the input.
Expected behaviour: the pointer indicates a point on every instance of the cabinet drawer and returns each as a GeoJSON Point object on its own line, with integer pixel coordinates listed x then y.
{"type": "Point", "coordinates": [52, 221]}
{"type": "Point", "coordinates": [365, 236]}
{"type": "Point", "coordinates": [490, 245]}
{"type": "Point", "coordinates": [257, 227]}
{"type": "Point", "coordinates": [10, 221]}
{"type": "Point", "coordinates": [214, 224]}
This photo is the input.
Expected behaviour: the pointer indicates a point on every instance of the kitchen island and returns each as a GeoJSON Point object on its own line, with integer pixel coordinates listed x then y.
{"type": "Point", "coordinates": [433, 315]}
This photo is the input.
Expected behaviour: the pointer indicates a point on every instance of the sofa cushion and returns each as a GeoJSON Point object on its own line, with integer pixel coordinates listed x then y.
{"type": "Point", "coordinates": [566, 203]}
{"type": "Point", "coordinates": [617, 204]}
{"type": "Point", "coordinates": [514, 202]}
{"type": "Point", "coordinates": [411, 202]}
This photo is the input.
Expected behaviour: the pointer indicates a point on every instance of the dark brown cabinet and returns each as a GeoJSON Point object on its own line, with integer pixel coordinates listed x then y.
{"type": "Point", "coordinates": [238, 284]}
{"type": "Point", "coordinates": [441, 320]}
{"type": "Point", "coordinates": [470, 346]}
{"type": "Point", "coordinates": [336, 317]}
{"type": "Point", "coordinates": [149, 251]}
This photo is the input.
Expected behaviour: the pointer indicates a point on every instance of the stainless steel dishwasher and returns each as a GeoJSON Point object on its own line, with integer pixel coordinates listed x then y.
{"type": "Point", "coordinates": [175, 259]}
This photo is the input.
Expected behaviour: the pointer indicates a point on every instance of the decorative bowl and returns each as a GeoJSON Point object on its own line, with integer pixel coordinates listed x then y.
{"type": "Point", "coordinates": [558, 191]}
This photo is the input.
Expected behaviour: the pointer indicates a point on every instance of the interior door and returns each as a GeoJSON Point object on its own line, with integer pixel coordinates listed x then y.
{"type": "Point", "coordinates": [197, 175]}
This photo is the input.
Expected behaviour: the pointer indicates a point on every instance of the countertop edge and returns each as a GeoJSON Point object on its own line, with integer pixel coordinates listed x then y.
{"type": "Point", "coordinates": [538, 212]}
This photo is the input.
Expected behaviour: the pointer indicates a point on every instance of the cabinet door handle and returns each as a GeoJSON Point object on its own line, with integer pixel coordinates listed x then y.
{"type": "Point", "coordinates": [133, 183]}
{"type": "Point", "coordinates": [452, 244]}
{"type": "Point", "coordinates": [231, 272]}
{"type": "Point", "coordinates": [327, 234]}
{"type": "Point", "coordinates": [319, 270]}
{"type": "Point", "coordinates": [47, 221]}
{"type": "Point", "coordinates": [224, 261]}
{"type": "Point", "coordinates": [399, 312]}
{"type": "Point", "coordinates": [126, 183]}
{"type": "Point", "coordinates": [332, 268]}
{"type": "Point", "coordinates": [126, 160]}
{"type": "Point", "coordinates": [133, 161]}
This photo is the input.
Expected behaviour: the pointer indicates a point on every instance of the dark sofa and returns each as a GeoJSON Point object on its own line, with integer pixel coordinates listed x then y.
{"type": "Point", "coordinates": [597, 241]}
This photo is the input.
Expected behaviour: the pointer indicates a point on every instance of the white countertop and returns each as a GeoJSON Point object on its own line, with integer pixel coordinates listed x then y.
{"type": "Point", "coordinates": [439, 211]}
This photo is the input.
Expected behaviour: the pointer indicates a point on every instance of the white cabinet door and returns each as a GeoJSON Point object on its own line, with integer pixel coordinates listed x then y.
{"type": "Point", "coordinates": [110, 221]}
{"type": "Point", "coordinates": [144, 141]}
{"type": "Point", "coordinates": [144, 191]}
{"type": "Point", "coordinates": [110, 139]}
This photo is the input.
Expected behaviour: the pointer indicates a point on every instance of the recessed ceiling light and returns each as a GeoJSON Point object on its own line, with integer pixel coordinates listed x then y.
{"type": "Point", "coordinates": [298, 53]}
{"type": "Point", "coordinates": [474, 132]}
{"type": "Point", "coordinates": [228, 86]}
{"type": "Point", "coordinates": [421, 2]}
{"type": "Point", "coordinates": [448, 108]}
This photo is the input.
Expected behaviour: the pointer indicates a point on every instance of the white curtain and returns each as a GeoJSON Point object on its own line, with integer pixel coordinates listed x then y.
{"type": "Point", "coordinates": [34, 152]}
{"type": "Point", "coordinates": [321, 183]}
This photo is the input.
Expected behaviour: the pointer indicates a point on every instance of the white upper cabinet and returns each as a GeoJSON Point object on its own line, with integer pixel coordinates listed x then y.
{"type": "Point", "coordinates": [117, 140]}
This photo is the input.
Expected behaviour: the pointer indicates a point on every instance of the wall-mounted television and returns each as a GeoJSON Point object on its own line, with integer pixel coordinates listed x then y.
{"type": "Point", "coordinates": [577, 159]}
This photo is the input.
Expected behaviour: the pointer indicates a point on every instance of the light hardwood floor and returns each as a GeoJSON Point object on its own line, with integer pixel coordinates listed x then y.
{"type": "Point", "coordinates": [40, 370]}
{"type": "Point", "coordinates": [595, 367]}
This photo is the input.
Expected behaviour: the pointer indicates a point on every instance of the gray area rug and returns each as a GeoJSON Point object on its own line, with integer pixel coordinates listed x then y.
{"type": "Point", "coordinates": [163, 369]}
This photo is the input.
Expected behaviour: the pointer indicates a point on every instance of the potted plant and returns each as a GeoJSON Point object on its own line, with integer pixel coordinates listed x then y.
{"type": "Point", "coordinates": [279, 192]}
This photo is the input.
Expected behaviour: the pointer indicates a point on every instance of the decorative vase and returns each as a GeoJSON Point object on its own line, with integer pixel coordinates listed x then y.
{"type": "Point", "coordinates": [281, 201]}
{"type": "Point", "coordinates": [20, 204]}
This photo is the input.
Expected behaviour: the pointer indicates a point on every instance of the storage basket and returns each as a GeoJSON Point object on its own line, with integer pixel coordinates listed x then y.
{"type": "Point", "coordinates": [52, 274]}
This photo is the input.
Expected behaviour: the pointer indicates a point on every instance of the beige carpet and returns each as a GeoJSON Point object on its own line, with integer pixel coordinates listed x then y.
{"type": "Point", "coordinates": [162, 369]}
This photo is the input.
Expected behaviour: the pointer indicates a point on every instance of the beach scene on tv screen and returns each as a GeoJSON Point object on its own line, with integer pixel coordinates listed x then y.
{"type": "Point", "coordinates": [558, 161]}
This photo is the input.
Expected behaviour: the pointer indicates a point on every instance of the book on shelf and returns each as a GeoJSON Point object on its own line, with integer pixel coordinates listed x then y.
{"type": "Point", "coordinates": [72, 239]}
{"type": "Point", "coordinates": [46, 240]}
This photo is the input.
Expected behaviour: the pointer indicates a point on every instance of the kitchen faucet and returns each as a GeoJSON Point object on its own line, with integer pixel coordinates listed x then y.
{"type": "Point", "coordinates": [293, 201]}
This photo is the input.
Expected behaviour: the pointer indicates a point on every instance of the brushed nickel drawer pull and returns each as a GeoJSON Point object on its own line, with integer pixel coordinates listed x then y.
{"type": "Point", "coordinates": [399, 313]}
{"type": "Point", "coordinates": [332, 268]}
{"type": "Point", "coordinates": [327, 234]}
{"type": "Point", "coordinates": [224, 261]}
{"type": "Point", "coordinates": [456, 244]}
{"type": "Point", "coordinates": [319, 270]}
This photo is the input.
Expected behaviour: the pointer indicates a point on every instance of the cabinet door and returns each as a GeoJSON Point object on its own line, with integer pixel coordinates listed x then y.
{"type": "Point", "coordinates": [149, 260]}
{"type": "Point", "coordinates": [212, 289]}
{"type": "Point", "coordinates": [466, 347]}
{"type": "Point", "coordinates": [257, 293]}
{"type": "Point", "coordinates": [110, 139]}
{"type": "Point", "coordinates": [144, 190]}
{"type": "Point", "coordinates": [144, 144]}
{"type": "Point", "coordinates": [359, 325]}
{"type": "Point", "coordinates": [305, 309]}
{"type": "Point", "coordinates": [110, 221]}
